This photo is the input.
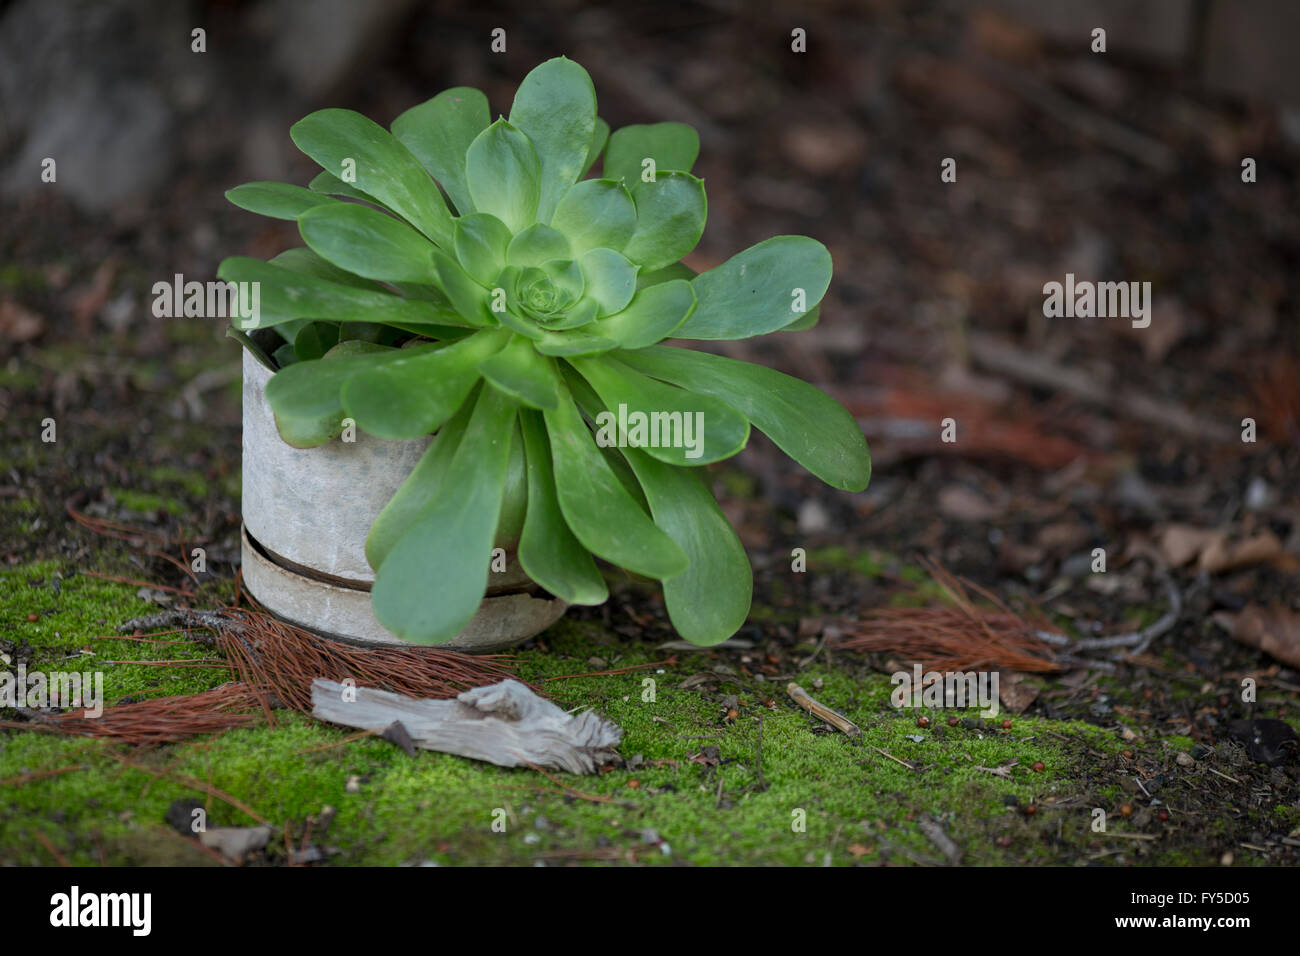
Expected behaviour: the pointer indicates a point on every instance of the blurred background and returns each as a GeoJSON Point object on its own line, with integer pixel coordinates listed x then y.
{"type": "Point", "coordinates": [1071, 433]}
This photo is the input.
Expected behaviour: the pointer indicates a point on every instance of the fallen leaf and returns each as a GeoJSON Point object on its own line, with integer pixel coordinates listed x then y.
{"type": "Point", "coordinates": [961, 504]}
{"type": "Point", "coordinates": [1273, 630]}
{"type": "Point", "coordinates": [18, 323]}
{"type": "Point", "coordinates": [1222, 555]}
{"type": "Point", "coordinates": [1181, 543]}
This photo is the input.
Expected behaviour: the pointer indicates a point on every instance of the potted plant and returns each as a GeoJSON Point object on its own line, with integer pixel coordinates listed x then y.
{"type": "Point", "coordinates": [463, 278]}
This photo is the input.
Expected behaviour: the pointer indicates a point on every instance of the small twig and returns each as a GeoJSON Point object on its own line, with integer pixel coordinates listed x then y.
{"type": "Point", "coordinates": [821, 711]}
{"type": "Point", "coordinates": [886, 753]}
{"type": "Point", "coordinates": [1223, 775]}
{"type": "Point", "coordinates": [666, 662]}
{"type": "Point", "coordinates": [54, 851]}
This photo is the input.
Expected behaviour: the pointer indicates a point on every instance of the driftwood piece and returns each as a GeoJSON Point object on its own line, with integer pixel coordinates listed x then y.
{"type": "Point", "coordinates": [505, 724]}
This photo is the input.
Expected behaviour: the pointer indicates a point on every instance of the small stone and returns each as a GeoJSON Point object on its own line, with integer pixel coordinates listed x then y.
{"type": "Point", "coordinates": [1004, 840]}
{"type": "Point", "coordinates": [532, 839]}
{"type": "Point", "coordinates": [1011, 800]}
{"type": "Point", "coordinates": [1226, 859]}
{"type": "Point", "coordinates": [353, 785]}
{"type": "Point", "coordinates": [1127, 734]}
{"type": "Point", "coordinates": [1185, 760]}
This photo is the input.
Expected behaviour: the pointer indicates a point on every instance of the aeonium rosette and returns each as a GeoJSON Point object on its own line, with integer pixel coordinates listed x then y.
{"type": "Point", "coordinates": [462, 278]}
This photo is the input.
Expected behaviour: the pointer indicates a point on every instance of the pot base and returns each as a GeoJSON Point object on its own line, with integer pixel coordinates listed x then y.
{"type": "Point", "coordinates": [344, 613]}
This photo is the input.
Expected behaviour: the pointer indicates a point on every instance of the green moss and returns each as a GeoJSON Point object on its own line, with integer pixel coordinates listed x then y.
{"type": "Point", "coordinates": [146, 502]}
{"type": "Point", "coordinates": [818, 796]}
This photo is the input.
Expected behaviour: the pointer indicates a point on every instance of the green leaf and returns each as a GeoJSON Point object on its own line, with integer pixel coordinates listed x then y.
{"type": "Point", "coordinates": [555, 107]}
{"type": "Point", "coordinates": [286, 294]}
{"type": "Point", "coordinates": [670, 214]}
{"type": "Point", "coordinates": [599, 137]}
{"type": "Point", "coordinates": [432, 581]}
{"type": "Point", "coordinates": [503, 175]}
{"type": "Point", "coordinates": [596, 214]}
{"type": "Point", "coordinates": [468, 298]}
{"type": "Point", "coordinates": [254, 349]}
{"type": "Point", "coordinates": [678, 270]}
{"type": "Point", "coordinates": [329, 184]}
{"type": "Point", "coordinates": [367, 243]}
{"type": "Point", "coordinates": [298, 434]}
{"type": "Point", "coordinates": [609, 279]}
{"type": "Point", "coordinates": [306, 262]}
{"type": "Point", "coordinates": [314, 339]}
{"type": "Point", "coordinates": [804, 422]}
{"type": "Point", "coordinates": [805, 321]}
{"type": "Point", "coordinates": [413, 394]}
{"type": "Point", "coordinates": [651, 316]}
{"type": "Point", "coordinates": [419, 488]}
{"type": "Point", "coordinates": [573, 342]}
{"type": "Point", "coordinates": [672, 424]}
{"type": "Point", "coordinates": [481, 244]}
{"type": "Point", "coordinates": [672, 146]}
{"type": "Point", "coordinates": [710, 600]}
{"type": "Point", "coordinates": [548, 551]}
{"type": "Point", "coordinates": [754, 291]}
{"type": "Point", "coordinates": [439, 132]}
{"type": "Point", "coordinates": [519, 371]}
{"type": "Point", "coordinates": [305, 396]}
{"type": "Point", "coordinates": [583, 312]}
{"type": "Point", "coordinates": [339, 139]}
{"type": "Point", "coordinates": [277, 200]}
{"type": "Point", "coordinates": [596, 507]}
{"type": "Point", "coordinates": [535, 245]}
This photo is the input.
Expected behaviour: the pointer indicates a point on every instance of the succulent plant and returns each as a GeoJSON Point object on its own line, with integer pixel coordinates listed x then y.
{"type": "Point", "coordinates": [462, 278]}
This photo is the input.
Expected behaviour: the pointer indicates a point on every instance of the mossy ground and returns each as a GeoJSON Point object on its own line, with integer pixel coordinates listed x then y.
{"type": "Point", "coordinates": [818, 797]}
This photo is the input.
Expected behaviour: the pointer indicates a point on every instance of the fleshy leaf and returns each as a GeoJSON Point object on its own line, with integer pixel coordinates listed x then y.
{"type": "Point", "coordinates": [755, 291]}
{"type": "Point", "coordinates": [439, 132]}
{"type": "Point", "coordinates": [651, 316]}
{"type": "Point", "coordinates": [303, 260]}
{"type": "Point", "coordinates": [432, 581]}
{"type": "Point", "coordinates": [670, 215]}
{"type": "Point", "coordinates": [367, 243]}
{"type": "Point", "coordinates": [286, 294]}
{"type": "Point", "coordinates": [548, 551]}
{"type": "Point", "coordinates": [419, 488]}
{"type": "Point", "coordinates": [678, 270]}
{"type": "Point", "coordinates": [536, 245]}
{"type": "Point", "coordinates": [481, 243]}
{"type": "Point", "coordinates": [599, 137]}
{"type": "Point", "coordinates": [413, 394]}
{"type": "Point", "coordinates": [670, 145]}
{"type": "Point", "coordinates": [610, 280]}
{"type": "Point", "coordinates": [678, 426]}
{"type": "Point", "coordinates": [277, 200]}
{"type": "Point", "coordinates": [596, 214]}
{"type": "Point", "coordinates": [305, 396]}
{"type": "Point", "coordinates": [573, 342]}
{"type": "Point", "coordinates": [330, 185]}
{"type": "Point", "coordinates": [345, 140]}
{"type": "Point", "coordinates": [519, 371]}
{"type": "Point", "coordinates": [503, 175]}
{"type": "Point", "coordinates": [601, 514]}
{"type": "Point", "coordinates": [470, 300]}
{"type": "Point", "coordinates": [804, 422]}
{"type": "Point", "coordinates": [555, 107]}
{"type": "Point", "coordinates": [710, 600]}
{"type": "Point", "coordinates": [314, 339]}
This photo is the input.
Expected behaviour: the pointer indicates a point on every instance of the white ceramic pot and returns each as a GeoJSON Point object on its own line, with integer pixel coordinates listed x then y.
{"type": "Point", "coordinates": [306, 516]}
